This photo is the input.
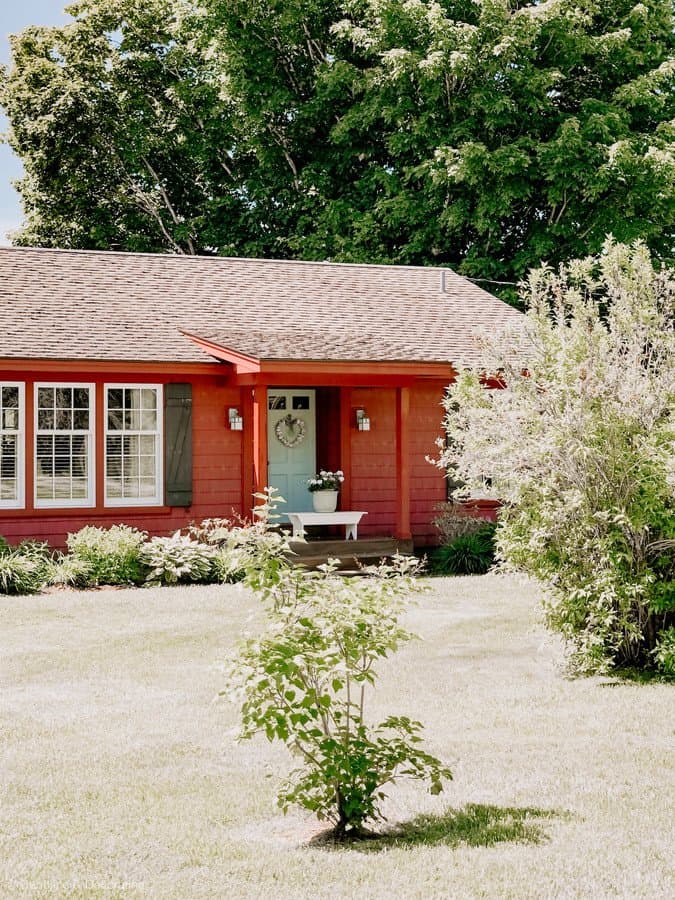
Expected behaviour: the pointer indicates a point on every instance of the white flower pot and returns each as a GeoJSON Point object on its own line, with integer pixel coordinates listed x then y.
{"type": "Point", "coordinates": [324, 501]}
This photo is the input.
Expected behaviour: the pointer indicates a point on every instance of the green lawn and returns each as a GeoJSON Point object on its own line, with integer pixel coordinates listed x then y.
{"type": "Point", "coordinates": [121, 776]}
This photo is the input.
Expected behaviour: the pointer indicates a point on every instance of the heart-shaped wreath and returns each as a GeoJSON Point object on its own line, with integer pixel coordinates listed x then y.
{"type": "Point", "coordinates": [290, 431]}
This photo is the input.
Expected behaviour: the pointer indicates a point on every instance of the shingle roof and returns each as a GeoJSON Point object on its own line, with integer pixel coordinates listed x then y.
{"type": "Point", "coordinates": [92, 305]}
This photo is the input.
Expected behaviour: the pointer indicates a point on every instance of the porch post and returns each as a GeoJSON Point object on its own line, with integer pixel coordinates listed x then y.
{"type": "Point", "coordinates": [260, 437]}
{"type": "Point", "coordinates": [247, 465]}
{"type": "Point", "coordinates": [346, 446]}
{"type": "Point", "coordinates": [403, 531]}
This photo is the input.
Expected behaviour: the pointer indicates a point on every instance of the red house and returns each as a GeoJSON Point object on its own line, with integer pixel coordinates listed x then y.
{"type": "Point", "coordinates": [156, 390]}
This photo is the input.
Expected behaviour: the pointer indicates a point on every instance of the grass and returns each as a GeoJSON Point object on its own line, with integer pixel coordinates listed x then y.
{"type": "Point", "coordinates": [121, 776]}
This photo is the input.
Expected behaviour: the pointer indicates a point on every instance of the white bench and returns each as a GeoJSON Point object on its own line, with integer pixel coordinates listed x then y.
{"type": "Point", "coordinates": [349, 519]}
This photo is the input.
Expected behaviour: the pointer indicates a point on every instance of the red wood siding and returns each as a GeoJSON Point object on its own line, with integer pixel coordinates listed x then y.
{"type": "Point", "coordinates": [427, 483]}
{"type": "Point", "coordinates": [223, 461]}
{"type": "Point", "coordinates": [373, 482]}
{"type": "Point", "coordinates": [217, 466]}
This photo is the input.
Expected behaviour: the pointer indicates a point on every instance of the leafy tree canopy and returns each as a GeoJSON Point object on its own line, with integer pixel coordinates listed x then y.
{"type": "Point", "coordinates": [483, 134]}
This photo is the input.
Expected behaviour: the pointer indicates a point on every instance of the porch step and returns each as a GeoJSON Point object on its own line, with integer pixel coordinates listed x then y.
{"type": "Point", "coordinates": [351, 554]}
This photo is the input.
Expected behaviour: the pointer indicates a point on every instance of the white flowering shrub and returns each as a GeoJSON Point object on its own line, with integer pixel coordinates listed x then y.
{"type": "Point", "coordinates": [177, 560]}
{"type": "Point", "coordinates": [580, 446]}
{"type": "Point", "coordinates": [241, 545]}
{"type": "Point", "coordinates": [111, 555]}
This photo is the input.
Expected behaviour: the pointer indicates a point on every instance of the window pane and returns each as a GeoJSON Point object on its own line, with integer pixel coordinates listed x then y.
{"type": "Point", "coordinates": [132, 419]}
{"type": "Point", "coordinates": [81, 420]}
{"type": "Point", "coordinates": [79, 488]}
{"type": "Point", "coordinates": [46, 419]}
{"type": "Point", "coordinates": [115, 421]}
{"type": "Point", "coordinates": [275, 402]}
{"type": "Point", "coordinates": [115, 397]}
{"type": "Point", "coordinates": [10, 397]}
{"type": "Point", "coordinates": [64, 398]}
{"type": "Point", "coordinates": [46, 398]}
{"type": "Point", "coordinates": [63, 420]}
{"type": "Point", "coordinates": [81, 398]}
{"type": "Point", "coordinates": [149, 421]}
{"type": "Point", "coordinates": [301, 402]}
{"type": "Point", "coordinates": [132, 398]}
{"type": "Point", "coordinates": [149, 398]}
{"type": "Point", "coordinates": [44, 488]}
{"type": "Point", "coordinates": [147, 444]}
{"type": "Point", "coordinates": [147, 487]}
{"type": "Point", "coordinates": [10, 419]}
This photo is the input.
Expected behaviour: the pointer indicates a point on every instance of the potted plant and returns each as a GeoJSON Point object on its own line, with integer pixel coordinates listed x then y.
{"type": "Point", "coordinates": [324, 487]}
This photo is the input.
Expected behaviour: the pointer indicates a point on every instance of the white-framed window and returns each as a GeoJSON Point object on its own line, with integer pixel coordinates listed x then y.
{"type": "Point", "coordinates": [64, 444]}
{"type": "Point", "coordinates": [12, 413]}
{"type": "Point", "coordinates": [133, 445]}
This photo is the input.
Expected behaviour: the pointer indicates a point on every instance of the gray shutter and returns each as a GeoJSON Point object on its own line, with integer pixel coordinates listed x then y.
{"type": "Point", "coordinates": [178, 444]}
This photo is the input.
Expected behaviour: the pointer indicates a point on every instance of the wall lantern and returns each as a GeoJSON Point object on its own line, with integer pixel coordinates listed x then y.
{"type": "Point", "coordinates": [236, 421]}
{"type": "Point", "coordinates": [362, 420]}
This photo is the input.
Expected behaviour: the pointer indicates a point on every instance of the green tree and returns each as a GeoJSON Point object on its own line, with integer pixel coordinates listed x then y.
{"type": "Point", "coordinates": [116, 118]}
{"type": "Point", "coordinates": [484, 135]}
{"type": "Point", "coordinates": [581, 449]}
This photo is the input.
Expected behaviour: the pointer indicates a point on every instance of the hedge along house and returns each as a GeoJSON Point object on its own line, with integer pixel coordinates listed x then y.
{"type": "Point", "coordinates": [156, 390]}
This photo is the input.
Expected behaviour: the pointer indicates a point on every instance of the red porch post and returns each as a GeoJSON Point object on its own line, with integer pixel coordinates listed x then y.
{"type": "Point", "coordinates": [403, 531]}
{"type": "Point", "coordinates": [247, 467]}
{"type": "Point", "coordinates": [346, 446]}
{"type": "Point", "coordinates": [260, 437]}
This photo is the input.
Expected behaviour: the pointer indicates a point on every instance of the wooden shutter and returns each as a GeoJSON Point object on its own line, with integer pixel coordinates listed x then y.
{"type": "Point", "coordinates": [178, 444]}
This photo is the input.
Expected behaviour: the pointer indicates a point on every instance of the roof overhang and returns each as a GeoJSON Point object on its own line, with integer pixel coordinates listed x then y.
{"type": "Point", "coordinates": [112, 366]}
{"type": "Point", "coordinates": [252, 370]}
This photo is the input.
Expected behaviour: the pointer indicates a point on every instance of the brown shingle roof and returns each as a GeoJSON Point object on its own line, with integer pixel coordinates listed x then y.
{"type": "Point", "coordinates": [88, 305]}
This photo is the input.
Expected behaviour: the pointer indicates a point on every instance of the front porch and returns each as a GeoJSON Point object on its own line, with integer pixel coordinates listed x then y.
{"type": "Point", "coordinates": [297, 416]}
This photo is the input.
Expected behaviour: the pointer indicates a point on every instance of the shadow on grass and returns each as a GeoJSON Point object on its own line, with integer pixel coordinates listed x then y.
{"type": "Point", "coordinates": [476, 825]}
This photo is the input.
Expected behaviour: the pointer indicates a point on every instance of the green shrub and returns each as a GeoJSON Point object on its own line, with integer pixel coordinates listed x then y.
{"type": "Point", "coordinates": [468, 554]}
{"type": "Point", "coordinates": [4, 546]}
{"type": "Point", "coordinates": [578, 444]}
{"type": "Point", "coordinates": [664, 653]}
{"type": "Point", "coordinates": [307, 679]}
{"type": "Point", "coordinates": [37, 550]}
{"type": "Point", "coordinates": [178, 560]}
{"type": "Point", "coordinates": [21, 574]}
{"type": "Point", "coordinates": [455, 520]}
{"type": "Point", "coordinates": [112, 554]}
{"type": "Point", "coordinates": [70, 571]}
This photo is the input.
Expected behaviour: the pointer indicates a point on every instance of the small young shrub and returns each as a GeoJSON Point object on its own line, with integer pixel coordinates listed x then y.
{"type": "Point", "coordinates": [69, 571]}
{"type": "Point", "coordinates": [177, 560]}
{"type": "Point", "coordinates": [664, 653]}
{"type": "Point", "coordinates": [306, 682]}
{"type": "Point", "coordinates": [468, 554]}
{"type": "Point", "coordinates": [21, 574]}
{"type": "Point", "coordinates": [4, 546]}
{"type": "Point", "coordinates": [112, 554]}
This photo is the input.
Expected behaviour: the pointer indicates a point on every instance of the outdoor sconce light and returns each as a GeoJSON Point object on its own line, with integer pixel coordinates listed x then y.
{"type": "Point", "coordinates": [235, 420]}
{"type": "Point", "coordinates": [362, 420]}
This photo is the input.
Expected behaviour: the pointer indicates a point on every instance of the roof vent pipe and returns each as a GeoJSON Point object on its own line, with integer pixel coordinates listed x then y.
{"type": "Point", "coordinates": [443, 273]}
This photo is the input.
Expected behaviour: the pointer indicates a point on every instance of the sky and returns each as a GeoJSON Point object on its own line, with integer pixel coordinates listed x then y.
{"type": "Point", "coordinates": [13, 17]}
